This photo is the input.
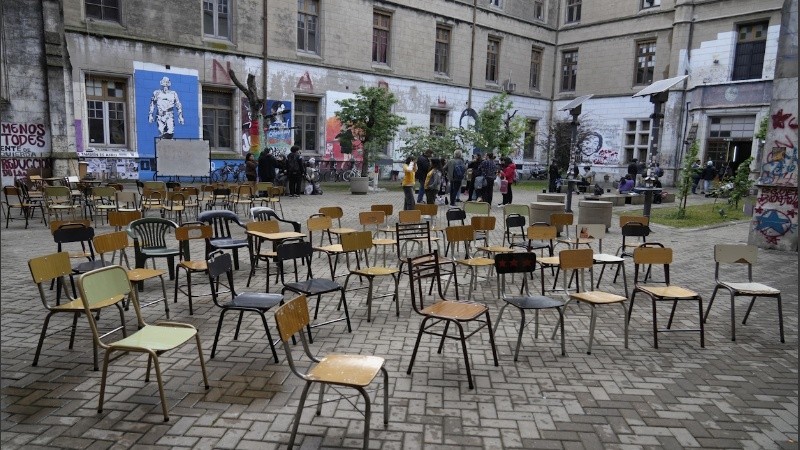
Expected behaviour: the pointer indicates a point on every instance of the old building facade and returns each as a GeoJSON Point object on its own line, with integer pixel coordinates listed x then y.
{"type": "Point", "coordinates": [103, 80]}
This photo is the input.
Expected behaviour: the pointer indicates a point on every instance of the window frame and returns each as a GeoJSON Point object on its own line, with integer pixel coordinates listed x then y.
{"type": "Point", "coordinates": [531, 128]}
{"type": "Point", "coordinates": [493, 59]}
{"type": "Point", "coordinates": [641, 139]}
{"type": "Point", "coordinates": [378, 30]}
{"type": "Point", "coordinates": [538, 9]}
{"type": "Point", "coordinates": [573, 11]}
{"type": "Point", "coordinates": [438, 118]}
{"type": "Point", "coordinates": [105, 100]}
{"type": "Point", "coordinates": [213, 138]}
{"type": "Point", "coordinates": [573, 78]}
{"type": "Point", "coordinates": [643, 4]}
{"type": "Point", "coordinates": [758, 44]}
{"type": "Point", "coordinates": [101, 4]}
{"type": "Point", "coordinates": [305, 11]}
{"type": "Point", "coordinates": [648, 57]}
{"type": "Point", "coordinates": [535, 80]}
{"type": "Point", "coordinates": [440, 60]}
{"type": "Point", "coordinates": [300, 123]}
{"type": "Point", "coordinates": [215, 33]}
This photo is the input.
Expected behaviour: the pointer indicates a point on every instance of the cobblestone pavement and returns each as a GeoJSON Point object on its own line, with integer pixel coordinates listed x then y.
{"type": "Point", "coordinates": [740, 394]}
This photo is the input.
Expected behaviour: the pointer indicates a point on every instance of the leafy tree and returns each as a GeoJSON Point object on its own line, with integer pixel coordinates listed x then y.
{"type": "Point", "coordinates": [556, 139]}
{"type": "Point", "coordinates": [501, 130]}
{"type": "Point", "coordinates": [741, 183]}
{"type": "Point", "coordinates": [369, 117]}
{"type": "Point", "coordinates": [442, 141]}
{"type": "Point", "coordinates": [684, 181]}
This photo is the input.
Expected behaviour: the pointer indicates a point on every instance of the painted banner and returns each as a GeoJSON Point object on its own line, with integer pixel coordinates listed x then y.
{"type": "Point", "coordinates": [333, 150]}
{"type": "Point", "coordinates": [24, 140]}
{"type": "Point", "coordinates": [277, 126]}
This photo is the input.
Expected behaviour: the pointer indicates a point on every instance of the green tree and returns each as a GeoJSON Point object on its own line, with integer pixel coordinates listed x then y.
{"type": "Point", "coordinates": [684, 182]}
{"type": "Point", "coordinates": [442, 141]}
{"type": "Point", "coordinates": [369, 117]}
{"type": "Point", "coordinates": [741, 183]}
{"type": "Point", "coordinates": [556, 139]}
{"type": "Point", "coordinates": [501, 130]}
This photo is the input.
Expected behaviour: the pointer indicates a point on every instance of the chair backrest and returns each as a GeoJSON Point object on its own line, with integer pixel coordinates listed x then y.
{"type": "Point", "coordinates": [12, 195]}
{"type": "Point", "coordinates": [735, 254]}
{"type": "Point", "coordinates": [219, 263]}
{"type": "Point", "coordinates": [334, 212]}
{"type": "Point", "coordinates": [596, 231]}
{"type": "Point", "coordinates": [575, 259]}
{"type": "Point", "coordinates": [104, 192]}
{"type": "Point", "coordinates": [422, 268]}
{"type": "Point", "coordinates": [541, 232]}
{"type": "Point", "coordinates": [263, 186]}
{"type": "Point", "coordinates": [264, 226]}
{"type": "Point", "coordinates": [559, 220]}
{"type": "Point", "coordinates": [127, 200]}
{"type": "Point", "coordinates": [56, 224]}
{"type": "Point", "coordinates": [644, 220]}
{"type": "Point", "coordinates": [49, 267]}
{"type": "Point", "coordinates": [460, 233]}
{"type": "Point", "coordinates": [188, 232]}
{"type": "Point", "coordinates": [374, 218]}
{"type": "Point", "coordinates": [110, 242]}
{"type": "Point", "coordinates": [116, 186]}
{"type": "Point", "coordinates": [103, 287]}
{"type": "Point", "coordinates": [635, 229]}
{"type": "Point", "coordinates": [244, 191]}
{"type": "Point", "coordinates": [155, 186]}
{"type": "Point", "coordinates": [318, 223]}
{"type": "Point", "coordinates": [220, 221]}
{"type": "Point", "coordinates": [74, 232]}
{"type": "Point", "coordinates": [481, 208]}
{"type": "Point", "coordinates": [518, 262]}
{"type": "Point", "coordinates": [57, 194]}
{"type": "Point", "coordinates": [151, 232]}
{"type": "Point", "coordinates": [419, 232]}
{"type": "Point", "coordinates": [516, 208]}
{"type": "Point", "coordinates": [121, 219]}
{"type": "Point", "coordinates": [455, 215]}
{"type": "Point", "coordinates": [647, 254]}
{"type": "Point", "coordinates": [357, 241]}
{"type": "Point", "coordinates": [387, 209]}
{"type": "Point", "coordinates": [409, 216]}
{"type": "Point", "coordinates": [483, 223]}
{"type": "Point", "coordinates": [292, 318]}
{"type": "Point", "coordinates": [515, 220]}
{"type": "Point", "coordinates": [172, 185]}
{"type": "Point", "coordinates": [427, 210]}
{"type": "Point", "coordinates": [294, 250]}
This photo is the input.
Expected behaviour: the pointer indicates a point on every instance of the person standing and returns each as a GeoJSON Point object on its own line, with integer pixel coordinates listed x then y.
{"type": "Point", "coordinates": [633, 168]}
{"type": "Point", "coordinates": [294, 170]}
{"type": "Point", "coordinates": [552, 176]}
{"type": "Point", "coordinates": [488, 169]}
{"type": "Point", "coordinates": [472, 173]}
{"type": "Point", "coordinates": [409, 171]}
{"type": "Point", "coordinates": [455, 169]}
{"type": "Point", "coordinates": [509, 172]}
{"type": "Point", "coordinates": [709, 173]}
{"type": "Point", "coordinates": [266, 166]}
{"type": "Point", "coordinates": [697, 170]}
{"type": "Point", "coordinates": [250, 171]}
{"type": "Point", "coordinates": [423, 167]}
{"type": "Point", "coordinates": [433, 182]}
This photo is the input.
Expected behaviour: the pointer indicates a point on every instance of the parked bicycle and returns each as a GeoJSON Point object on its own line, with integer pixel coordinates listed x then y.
{"type": "Point", "coordinates": [228, 172]}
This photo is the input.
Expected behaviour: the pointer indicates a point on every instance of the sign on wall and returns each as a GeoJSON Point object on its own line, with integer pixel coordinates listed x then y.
{"type": "Point", "coordinates": [24, 140]}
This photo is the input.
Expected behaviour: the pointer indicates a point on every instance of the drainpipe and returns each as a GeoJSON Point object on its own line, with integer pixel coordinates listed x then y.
{"type": "Point", "coordinates": [685, 116]}
{"type": "Point", "coordinates": [264, 72]}
{"type": "Point", "coordinates": [553, 86]}
{"type": "Point", "coordinates": [472, 52]}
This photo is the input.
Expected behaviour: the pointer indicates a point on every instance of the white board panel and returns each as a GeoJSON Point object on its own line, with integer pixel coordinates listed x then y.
{"type": "Point", "coordinates": [182, 157]}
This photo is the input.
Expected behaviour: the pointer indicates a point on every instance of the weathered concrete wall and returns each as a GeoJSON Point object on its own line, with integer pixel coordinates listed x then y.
{"type": "Point", "coordinates": [774, 223]}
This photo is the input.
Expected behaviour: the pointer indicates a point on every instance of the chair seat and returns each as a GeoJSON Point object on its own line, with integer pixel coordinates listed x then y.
{"type": "Point", "coordinates": [597, 297]}
{"type": "Point", "coordinates": [448, 309]}
{"type": "Point", "coordinates": [496, 249]}
{"type": "Point", "coordinates": [268, 253]}
{"type": "Point", "coordinates": [160, 251]}
{"type": "Point", "coordinates": [90, 265]}
{"type": "Point", "coordinates": [350, 370]}
{"type": "Point", "coordinates": [548, 261]}
{"type": "Point", "coordinates": [228, 243]}
{"type": "Point", "coordinates": [534, 302]}
{"type": "Point", "coordinates": [333, 248]}
{"type": "Point", "coordinates": [667, 291]}
{"type": "Point", "coordinates": [605, 258]}
{"type": "Point", "coordinates": [77, 305]}
{"type": "Point", "coordinates": [195, 266]}
{"type": "Point", "coordinates": [376, 271]}
{"type": "Point", "coordinates": [314, 286]}
{"type": "Point", "coordinates": [156, 338]}
{"type": "Point", "coordinates": [383, 242]}
{"type": "Point", "coordinates": [341, 230]}
{"type": "Point", "coordinates": [135, 275]}
{"type": "Point", "coordinates": [751, 288]}
{"type": "Point", "coordinates": [476, 262]}
{"type": "Point", "coordinates": [254, 300]}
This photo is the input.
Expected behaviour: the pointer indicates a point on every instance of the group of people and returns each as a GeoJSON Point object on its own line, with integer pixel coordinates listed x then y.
{"type": "Point", "coordinates": [706, 174]}
{"type": "Point", "coordinates": [268, 168]}
{"type": "Point", "coordinates": [434, 177]}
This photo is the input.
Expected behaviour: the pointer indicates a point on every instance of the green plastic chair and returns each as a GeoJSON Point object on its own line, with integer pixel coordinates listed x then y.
{"type": "Point", "coordinates": [101, 286]}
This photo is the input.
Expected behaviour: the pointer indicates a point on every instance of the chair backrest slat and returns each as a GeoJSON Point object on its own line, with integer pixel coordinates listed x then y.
{"type": "Point", "coordinates": [652, 255]}
{"type": "Point", "coordinates": [575, 259]}
{"type": "Point", "coordinates": [49, 267]}
{"type": "Point", "coordinates": [111, 242]}
{"type": "Point", "coordinates": [357, 241]}
{"type": "Point", "coordinates": [735, 254]}
{"type": "Point", "coordinates": [409, 216]}
{"type": "Point", "coordinates": [292, 317]}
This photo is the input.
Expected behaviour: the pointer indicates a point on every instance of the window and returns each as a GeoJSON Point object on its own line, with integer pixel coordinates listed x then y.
{"type": "Point", "coordinates": [106, 111]}
{"type": "Point", "coordinates": [637, 138]}
{"type": "Point", "coordinates": [750, 45]}
{"type": "Point", "coordinates": [103, 9]}
{"type": "Point", "coordinates": [438, 121]}
{"type": "Point", "coordinates": [645, 4]}
{"type": "Point", "coordinates": [538, 10]}
{"type": "Point", "coordinates": [306, 113]}
{"type": "Point", "coordinates": [573, 11]}
{"type": "Point", "coordinates": [569, 70]}
{"type": "Point", "coordinates": [529, 153]}
{"type": "Point", "coordinates": [441, 63]}
{"type": "Point", "coordinates": [381, 25]}
{"type": "Point", "coordinates": [496, 3]}
{"type": "Point", "coordinates": [218, 119]}
{"type": "Point", "coordinates": [536, 68]}
{"type": "Point", "coordinates": [307, 25]}
{"type": "Point", "coordinates": [216, 18]}
{"type": "Point", "coordinates": [645, 62]}
{"type": "Point", "coordinates": [492, 60]}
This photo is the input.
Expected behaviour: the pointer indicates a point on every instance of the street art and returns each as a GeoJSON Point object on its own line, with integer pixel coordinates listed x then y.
{"type": "Point", "coordinates": [167, 107]}
{"type": "Point", "coordinates": [333, 149]}
{"type": "Point", "coordinates": [305, 83]}
{"type": "Point", "coordinates": [24, 149]}
{"type": "Point", "coordinates": [592, 150]}
{"type": "Point", "coordinates": [13, 168]}
{"type": "Point", "coordinates": [779, 166]}
{"type": "Point", "coordinates": [775, 215]}
{"type": "Point", "coordinates": [277, 126]}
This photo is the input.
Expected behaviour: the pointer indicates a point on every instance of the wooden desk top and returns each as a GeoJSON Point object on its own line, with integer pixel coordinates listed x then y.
{"type": "Point", "coordinates": [277, 236]}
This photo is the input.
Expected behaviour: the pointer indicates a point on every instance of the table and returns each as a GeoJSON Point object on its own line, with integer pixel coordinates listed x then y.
{"type": "Point", "coordinates": [275, 238]}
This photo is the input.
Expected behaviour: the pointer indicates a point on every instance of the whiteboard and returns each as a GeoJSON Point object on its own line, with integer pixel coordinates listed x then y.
{"type": "Point", "coordinates": [183, 157]}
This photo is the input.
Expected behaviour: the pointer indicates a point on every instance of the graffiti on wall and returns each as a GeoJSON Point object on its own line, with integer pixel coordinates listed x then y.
{"type": "Point", "coordinates": [333, 149]}
{"type": "Point", "coordinates": [24, 140]}
{"type": "Point", "coordinates": [779, 166]}
{"type": "Point", "coordinates": [593, 151]}
{"type": "Point", "coordinates": [775, 214]}
{"type": "Point", "coordinates": [277, 125]}
{"type": "Point", "coordinates": [14, 168]}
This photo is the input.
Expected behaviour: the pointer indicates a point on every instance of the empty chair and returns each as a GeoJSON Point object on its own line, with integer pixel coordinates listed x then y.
{"type": "Point", "coordinates": [465, 234]}
{"type": "Point", "coordinates": [656, 254]}
{"type": "Point", "coordinates": [257, 252]}
{"type": "Point", "coordinates": [12, 199]}
{"type": "Point", "coordinates": [478, 208]}
{"type": "Point", "coordinates": [561, 221]}
{"type": "Point", "coordinates": [101, 201]}
{"type": "Point", "coordinates": [515, 229]}
{"type": "Point", "coordinates": [111, 284]}
{"type": "Point", "coordinates": [259, 213]}
{"type": "Point", "coordinates": [729, 254]}
{"type": "Point", "coordinates": [363, 241]}
{"type": "Point", "coordinates": [58, 201]}
{"type": "Point", "coordinates": [376, 219]}
{"type": "Point", "coordinates": [149, 236]}
{"type": "Point", "coordinates": [354, 371]}
{"type": "Point", "coordinates": [219, 264]}
{"type": "Point", "coordinates": [335, 213]}
{"type": "Point", "coordinates": [242, 196]}
{"type": "Point", "coordinates": [127, 201]}
{"type": "Point", "coordinates": [222, 238]}
{"type": "Point", "coordinates": [175, 205]}
{"type": "Point", "coordinates": [185, 234]}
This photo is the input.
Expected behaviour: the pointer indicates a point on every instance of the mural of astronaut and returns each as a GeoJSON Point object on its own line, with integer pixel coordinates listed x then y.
{"type": "Point", "coordinates": [162, 109]}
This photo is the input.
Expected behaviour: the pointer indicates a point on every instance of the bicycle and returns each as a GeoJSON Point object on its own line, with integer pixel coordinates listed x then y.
{"type": "Point", "coordinates": [221, 174]}
{"type": "Point", "coordinates": [347, 174]}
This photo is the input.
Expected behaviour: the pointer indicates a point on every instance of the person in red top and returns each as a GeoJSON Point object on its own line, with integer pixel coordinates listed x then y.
{"type": "Point", "coordinates": [509, 172]}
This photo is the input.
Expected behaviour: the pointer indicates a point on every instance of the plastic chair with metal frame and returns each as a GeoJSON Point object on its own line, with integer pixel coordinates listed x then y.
{"type": "Point", "coordinates": [449, 312]}
{"type": "Point", "coordinates": [355, 371]}
{"type": "Point", "coordinates": [741, 254]}
{"type": "Point", "coordinates": [653, 253]}
{"type": "Point", "coordinates": [56, 266]}
{"type": "Point", "coordinates": [219, 263]}
{"type": "Point", "coordinates": [111, 284]}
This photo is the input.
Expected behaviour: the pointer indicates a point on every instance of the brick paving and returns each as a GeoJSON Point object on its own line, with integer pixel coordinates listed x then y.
{"type": "Point", "coordinates": [739, 394]}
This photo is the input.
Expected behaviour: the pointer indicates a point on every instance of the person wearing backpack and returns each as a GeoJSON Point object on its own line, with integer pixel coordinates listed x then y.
{"type": "Point", "coordinates": [423, 167]}
{"type": "Point", "coordinates": [455, 169]}
{"type": "Point", "coordinates": [294, 169]}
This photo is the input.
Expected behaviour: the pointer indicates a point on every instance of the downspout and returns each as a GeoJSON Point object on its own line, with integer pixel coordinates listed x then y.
{"type": "Point", "coordinates": [264, 72]}
{"type": "Point", "coordinates": [472, 53]}
{"type": "Point", "coordinates": [685, 116]}
{"type": "Point", "coordinates": [553, 87]}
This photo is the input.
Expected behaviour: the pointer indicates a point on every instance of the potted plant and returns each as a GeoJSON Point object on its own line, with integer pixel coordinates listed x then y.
{"type": "Point", "coordinates": [369, 117]}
